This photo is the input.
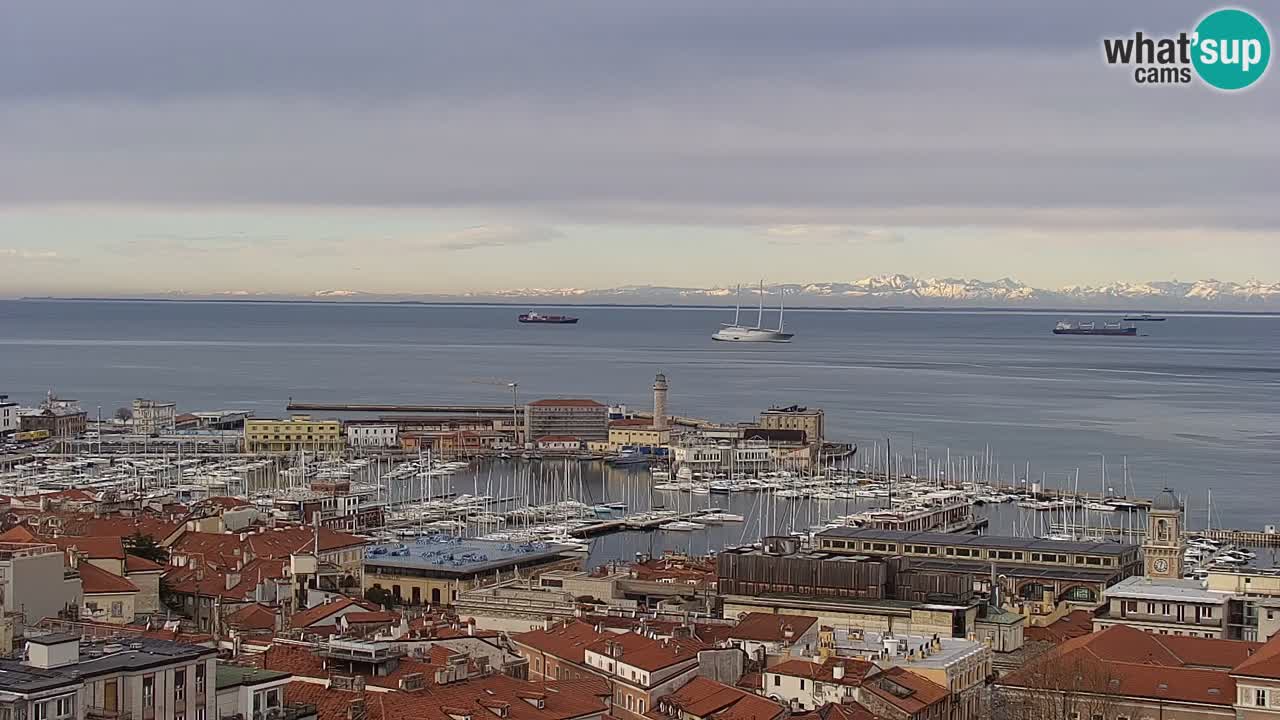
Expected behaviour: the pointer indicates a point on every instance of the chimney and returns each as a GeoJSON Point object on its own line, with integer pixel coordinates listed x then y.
{"type": "Point", "coordinates": [837, 672]}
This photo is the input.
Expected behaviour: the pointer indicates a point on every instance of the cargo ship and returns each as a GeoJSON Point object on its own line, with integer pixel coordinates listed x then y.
{"type": "Point", "coordinates": [533, 317]}
{"type": "Point", "coordinates": [1072, 328]}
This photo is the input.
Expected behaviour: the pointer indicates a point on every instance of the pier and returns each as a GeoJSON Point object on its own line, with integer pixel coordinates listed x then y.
{"type": "Point", "coordinates": [504, 410]}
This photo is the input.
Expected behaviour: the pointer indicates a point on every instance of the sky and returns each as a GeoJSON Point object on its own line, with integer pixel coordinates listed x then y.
{"type": "Point", "coordinates": [420, 147]}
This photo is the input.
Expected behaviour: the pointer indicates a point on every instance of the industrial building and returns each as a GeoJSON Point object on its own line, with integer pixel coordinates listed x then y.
{"type": "Point", "coordinates": [796, 417]}
{"type": "Point", "coordinates": [1066, 571]}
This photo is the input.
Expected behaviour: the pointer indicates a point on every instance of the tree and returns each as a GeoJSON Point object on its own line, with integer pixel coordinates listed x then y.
{"type": "Point", "coordinates": [145, 546]}
{"type": "Point", "coordinates": [1059, 687]}
{"type": "Point", "coordinates": [123, 414]}
{"type": "Point", "coordinates": [378, 596]}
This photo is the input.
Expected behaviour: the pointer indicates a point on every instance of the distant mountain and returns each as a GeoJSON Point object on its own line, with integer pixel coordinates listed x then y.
{"type": "Point", "coordinates": [877, 291]}
{"type": "Point", "coordinates": [898, 289]}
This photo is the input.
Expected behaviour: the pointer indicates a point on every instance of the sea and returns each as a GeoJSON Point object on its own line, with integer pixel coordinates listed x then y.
{"type": "Point", "coordinates": [1192, 403]}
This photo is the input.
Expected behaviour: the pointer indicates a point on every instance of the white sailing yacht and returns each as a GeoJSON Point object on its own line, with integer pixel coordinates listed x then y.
{"type": "Point", "coordinates": [737, 332]}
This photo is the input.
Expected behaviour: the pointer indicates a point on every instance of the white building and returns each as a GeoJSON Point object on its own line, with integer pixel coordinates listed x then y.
{"type": "Point", "coordinates": [8, 415]}
{"type": "Point", "coordinates": [151, 417]}
{"type": "Point", "coordinates": [1166, 606]}
{"type": "Point", "coordinates": [377, 436]}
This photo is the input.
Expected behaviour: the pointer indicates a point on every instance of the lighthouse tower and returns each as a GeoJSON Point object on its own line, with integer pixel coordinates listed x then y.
{"type": "Point", "coordinates": [660, 402]}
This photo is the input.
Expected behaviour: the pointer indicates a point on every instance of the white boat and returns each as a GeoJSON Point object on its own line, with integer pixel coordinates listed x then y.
{"type": "Point", "coordinates": [737, 332]}
{"type": "Point", "coordinates": [682, 526]}
{"type": "Point", "coordinates": [722, 517]}
{"type": "Point", "coordinates": [1100, 507]}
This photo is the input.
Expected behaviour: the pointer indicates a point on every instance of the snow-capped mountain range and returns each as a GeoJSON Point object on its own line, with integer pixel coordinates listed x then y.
{"type": "Point", "coordinates": [906, 290]}
{"type": "Point", "coordinates": [876, 291]}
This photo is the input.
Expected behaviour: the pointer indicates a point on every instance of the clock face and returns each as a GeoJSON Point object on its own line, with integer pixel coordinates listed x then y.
{"type": "Point", "coordinates": [1162, 565]}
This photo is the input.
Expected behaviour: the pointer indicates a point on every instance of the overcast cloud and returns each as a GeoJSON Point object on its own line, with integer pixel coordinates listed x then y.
{"type": "Point", "coordinates": [496, 125]}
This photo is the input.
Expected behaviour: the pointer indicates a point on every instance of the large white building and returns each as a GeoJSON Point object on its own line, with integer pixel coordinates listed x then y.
{"type": "Point", "coordinates": [151, 417]}
{"type": "Point", "coordinates": [384, 436]}
{"type": "Point", "coordinates": [8, 415]}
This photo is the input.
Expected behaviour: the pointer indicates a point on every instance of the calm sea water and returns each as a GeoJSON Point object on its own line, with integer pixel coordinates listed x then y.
{"type": "Point", "coordinates": [1193, 404]}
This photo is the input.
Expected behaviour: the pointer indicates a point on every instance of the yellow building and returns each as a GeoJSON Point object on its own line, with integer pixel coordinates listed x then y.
{"type": "Point", "coordinates": [795, 417]}
{"type": "Point", "coordinates": [298, 433]}
{"type": "Point", "coordinates": [637, 433]}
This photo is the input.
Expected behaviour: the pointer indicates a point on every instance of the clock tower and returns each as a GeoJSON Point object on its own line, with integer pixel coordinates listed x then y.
{"type": "Point", "coordinates": [1162, 551]}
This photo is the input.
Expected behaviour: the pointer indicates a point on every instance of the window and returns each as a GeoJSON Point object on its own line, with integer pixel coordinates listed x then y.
{"type": "Point", "coordinates": [148, 691]}
{"type": "Point", "coordinates": [42, 711]}
{"type": "Point", "coordinates": [777, 680]}
{"type": "Point", "coordinates": [64, 707]}
{"type": "Point", "coordinates": [200, 713]}
{"type": "Point", "coordinates": [117, 609]}
{"type": "Point", "coordinates": [1208, 612]}
{"type": "Point", "coordinates": [180, 684]}
{"type": "Point", "coordinates": [801, 683]}
{"type": "Point", "coordinates": [200, 678]}
{"type": "Point", "coordinates": [640, 706]}
{"type": "Point", "coordinates": [1260, 697]}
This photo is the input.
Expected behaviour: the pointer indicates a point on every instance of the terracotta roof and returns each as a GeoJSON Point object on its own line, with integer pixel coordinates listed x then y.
{"type": "Point", "coordinates": [95, 548]}
{"type": "Point", "coordinates": [253, 616]}
{"type": "Point", "coordinates": [373, 616]}
{"type": "Point", "coordinates": [18, 533]}
{"type": "Point", "coordinates": [855, 671]}
{"type": "Point", "coordinates": [1133, 663]}
{"type": "Point", "coordinates": [705, 698]}
{"type": "Point", "coordinates": [135, 564]}
{"type": "Point", "coordinates": [567, 642]}
{"type": "Point", "coordinates": [225, 502]}
{"type": "Point", "coordinates": [156, 528]}
{"type": "Point", "coordinates": [905, 690]}
{"type": "Point", "coordinates": [566, 402]}
{"type": "Point", "coordinates": [1072, 625]}
{"type": "Point", "coordinates": [94, 580]}
{"type": "Point", "coordinates": [214, 583]}
{"type": "Point", "coordinates": [647, 653]}
{"type": "Point", "coordinates": [769, 627]}
{"type": "Point", "coordinates": [838, 711]}
{"type": "Point", "coordinates": [315, 615]}
{"type": "Point", "coordinates": [1264, 663]}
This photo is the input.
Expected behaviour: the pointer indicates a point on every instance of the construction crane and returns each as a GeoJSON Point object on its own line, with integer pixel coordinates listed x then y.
{"type": "Point", "coordinates": [515, 401]}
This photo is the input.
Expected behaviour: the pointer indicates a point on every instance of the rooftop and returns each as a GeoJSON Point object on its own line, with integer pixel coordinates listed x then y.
{"type": "Point", "coordinates": [981, 541]}
{"type": "Point", "coordinates": [453, 555]}
{"type": "Point", "coordinates": [767, 627]}
{"type": "Point", "coordinates": [927, 651]}
{"type": "Point", "coordinates": [568, 402]}
{"type": "Point", "coordinates": [229, 676]}
{"type": "Point", "coordinates": [96, 658]}
{"type": "Point", "coordinates": [1169, 590]}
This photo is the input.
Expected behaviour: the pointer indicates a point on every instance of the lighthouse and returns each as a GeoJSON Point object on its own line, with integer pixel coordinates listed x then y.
{"type": "Point", "coordinates": [660, 402]}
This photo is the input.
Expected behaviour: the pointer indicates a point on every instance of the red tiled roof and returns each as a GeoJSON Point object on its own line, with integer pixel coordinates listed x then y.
{"type": "Point", "coordinates": [156, 528]}
{"type": "Point", "coordinates": [1072, 625]}
{"type": "Point", "coordinates": [135, 564]}
{"type": "Point", "coordinates": [94, 580]}
{"type": "Point", "coordinates": [253, 616]}
{"type": "Point", "coordinates": [646, 653]}
{"type": "Point", "coordinates": [566, 402]}
{"type": "Point", "coordinates": [95, 548]}
{"type": "Point", "coordinates": [769, 627]}
{"type": "Point", "coordinates": [567, 642]}
{"type": "Point", "coordinates": [374, 616]}
{"type": "Point", "coordinates": [906, 690]}
{"type": "Point", "coordinates": [315, 615]}
{"type": "Point", "coordinates": [855, 671]}
{"type": "Point", "coordinates": [18, 533]}
{"type": "Point", "coordinates": [1264, 663]}
{"type": "Point", "coordinates": [1138, 664]}
{"type": "Point", "coordinates": [223, 501]}
{"type": "Point", "coordinates": [837, 711]}
{"type": "Point", "coordinates": [705, 698]}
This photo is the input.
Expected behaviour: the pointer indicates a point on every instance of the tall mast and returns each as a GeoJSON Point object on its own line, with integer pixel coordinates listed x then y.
{"type": "Point", "coordinates": [737, 303]}
{"type": "Point", "coordinates": [782, 294]}
{"type": "Point", "coordinates": [760, 320]}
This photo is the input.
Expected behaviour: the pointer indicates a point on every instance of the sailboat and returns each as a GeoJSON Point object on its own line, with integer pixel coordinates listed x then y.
{"type": "Point", "coordinates": [737, 332]}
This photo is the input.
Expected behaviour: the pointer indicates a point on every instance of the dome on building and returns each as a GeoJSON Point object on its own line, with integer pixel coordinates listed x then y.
{"type": "Point", "coordinates": [1166, 500]}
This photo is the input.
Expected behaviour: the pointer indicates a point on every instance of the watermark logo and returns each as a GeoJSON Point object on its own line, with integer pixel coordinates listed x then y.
{"type": "Point", "coordinates": [1229, 49]}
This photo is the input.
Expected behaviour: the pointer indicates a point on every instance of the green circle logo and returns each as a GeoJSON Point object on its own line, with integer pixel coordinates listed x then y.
{"type": "Point", "coordinates": [1232, 49]}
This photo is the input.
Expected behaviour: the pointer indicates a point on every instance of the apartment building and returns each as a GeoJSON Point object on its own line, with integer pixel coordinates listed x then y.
{"type": "Point", "coordinates": [8, 415]}
{"type": "Point", "coordinates": [584, 419]}
{"type": "Point", "coordinates": [66, 678]}
{"type": "Point", "coordinates": [35, 581]}
{"type": "Point", "coordinates": [1168, 606]}
{"type": "Point", "coordinates": [151, 417]}
{"type": "Point", "coordinates": [382, 435]}
{"type": "Point", "coordinates": [299, 433]}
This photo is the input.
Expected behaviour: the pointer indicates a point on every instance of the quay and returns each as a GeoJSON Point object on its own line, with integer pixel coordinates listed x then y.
{"type": "Point", "coordinates": [503, 410]}
{"type": "Point", "coordinates": [606, 527]}
{"type": "Point", "coordinates": [1248, 538]}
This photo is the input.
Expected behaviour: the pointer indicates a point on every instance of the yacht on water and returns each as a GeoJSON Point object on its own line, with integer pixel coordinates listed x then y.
{"type": "Point", "coordinates": [737, 332]}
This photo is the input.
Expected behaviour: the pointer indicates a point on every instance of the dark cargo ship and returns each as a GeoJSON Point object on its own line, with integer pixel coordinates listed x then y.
{"type": "Point", "coordinates": [1073, 328]}
{"type": "Point", "coordinates": [533, 317]}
